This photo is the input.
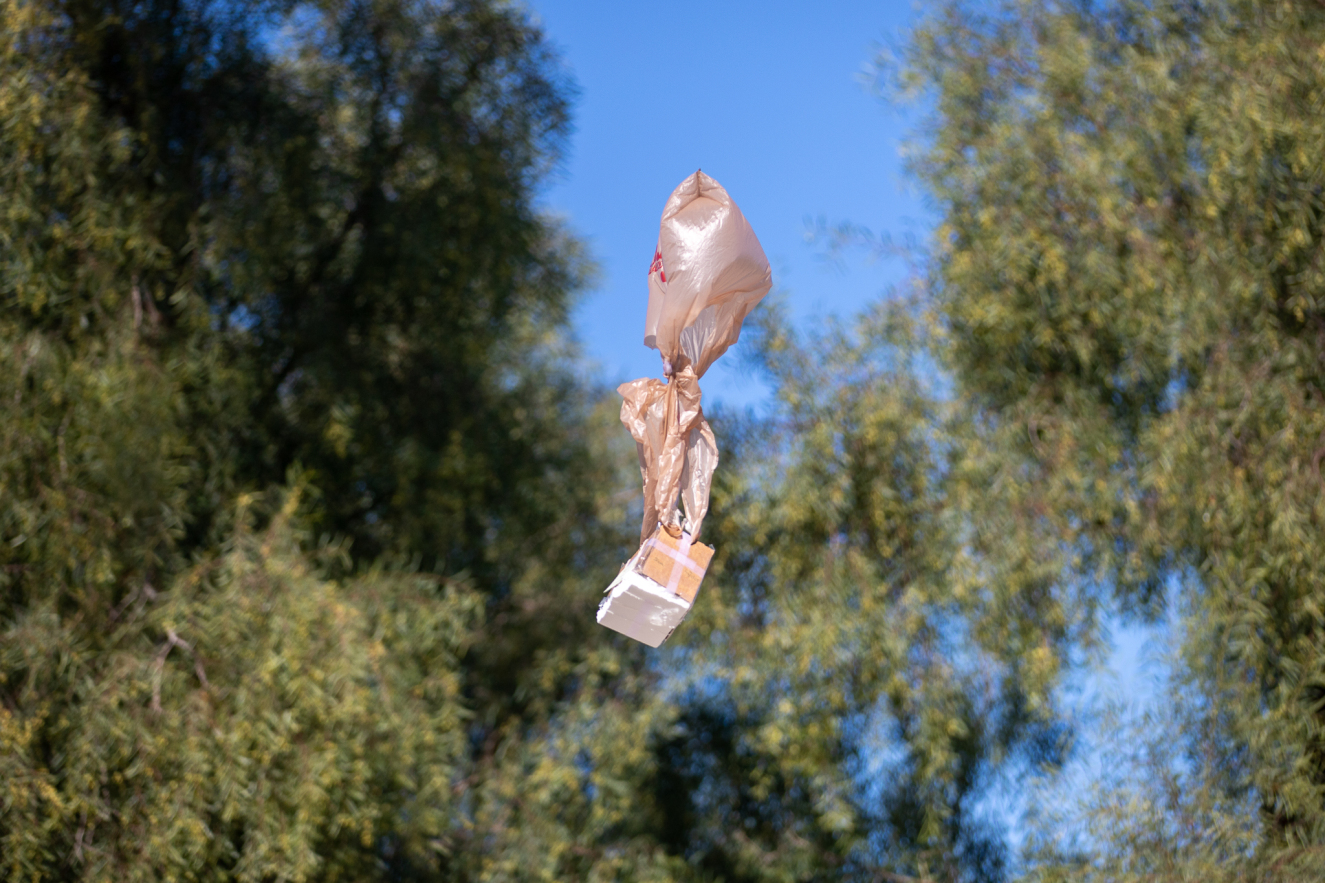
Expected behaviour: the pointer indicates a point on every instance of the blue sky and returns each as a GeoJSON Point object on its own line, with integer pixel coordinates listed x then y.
{"type": "Point", "coordinates": [771, 99]}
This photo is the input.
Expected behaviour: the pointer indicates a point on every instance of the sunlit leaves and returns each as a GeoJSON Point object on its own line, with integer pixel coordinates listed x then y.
{"type": "Point", "coordinates": [1128, 279]}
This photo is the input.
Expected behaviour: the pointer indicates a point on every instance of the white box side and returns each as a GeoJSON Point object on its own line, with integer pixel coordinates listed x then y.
{"type": "Point", "coordinates": [639, 608]}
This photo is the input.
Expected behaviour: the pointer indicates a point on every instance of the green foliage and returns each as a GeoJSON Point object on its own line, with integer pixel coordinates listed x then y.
{"type": "Point", "coordinates": [240, 242]}
{"type": "Point", "coordinates": [1127, 280]}
{"type": "Point", "coordinates": [304, 511]}
{"type": "Point", "coordinates": [249, 245]}
{"type": "Point", "coordinates": [851, 688]}
{"type": "Point", "coordinates": [254, 722]}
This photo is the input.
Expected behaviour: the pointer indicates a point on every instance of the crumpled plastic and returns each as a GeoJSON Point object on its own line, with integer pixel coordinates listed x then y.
{"type": "Point", "coordinates": [708, 272]}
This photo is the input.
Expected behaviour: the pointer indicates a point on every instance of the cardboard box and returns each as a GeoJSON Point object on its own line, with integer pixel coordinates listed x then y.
{"type": "Point", "coordinates": [674, 563]}
{"type": "Point", "coordinates": [655, 589]}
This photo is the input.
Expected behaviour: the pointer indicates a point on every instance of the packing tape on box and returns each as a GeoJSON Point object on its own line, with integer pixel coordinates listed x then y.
{"type": "Point", "coordinates": [679, 558]}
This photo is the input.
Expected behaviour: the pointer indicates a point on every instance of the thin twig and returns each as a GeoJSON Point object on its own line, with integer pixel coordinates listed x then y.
{"type": "Point", "coordinates": [173, 640]}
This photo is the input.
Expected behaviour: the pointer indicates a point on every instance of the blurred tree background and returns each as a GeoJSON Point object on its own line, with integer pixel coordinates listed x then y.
{"type": "Point", "coordinates": [306, 503]}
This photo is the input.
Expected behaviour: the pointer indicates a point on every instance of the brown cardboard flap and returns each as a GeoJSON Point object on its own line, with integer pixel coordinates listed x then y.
{"type": "Point", "coordinates": [661, 560]}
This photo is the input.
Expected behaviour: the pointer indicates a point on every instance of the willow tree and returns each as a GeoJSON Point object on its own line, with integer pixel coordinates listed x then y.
{"type": "Point", "coordinates": [1129, 279]}
{"type": "Point", "coordinates": [255, 246]}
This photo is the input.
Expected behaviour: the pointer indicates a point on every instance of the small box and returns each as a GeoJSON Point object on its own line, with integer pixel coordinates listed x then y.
{"type": "Point", "coordinates": [655, 589]}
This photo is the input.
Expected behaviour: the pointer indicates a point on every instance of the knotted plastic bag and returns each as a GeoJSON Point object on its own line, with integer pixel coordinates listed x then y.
{"type": "Point", "coordinates": [708, 272]}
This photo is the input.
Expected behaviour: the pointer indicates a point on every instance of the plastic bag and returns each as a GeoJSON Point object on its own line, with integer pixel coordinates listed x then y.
{"type": "Point", "coordinates": [708, 272]}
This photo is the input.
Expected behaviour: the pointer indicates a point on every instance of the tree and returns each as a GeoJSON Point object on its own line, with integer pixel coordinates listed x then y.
{"type": "Point", "coordinates": [850, 684]}
{"type": "Point", "coordinates": [1128, 279]}
{"type": "Point", "coordinates": [254, 245]}
{"type": "Point", "coordinates": [305, 511]}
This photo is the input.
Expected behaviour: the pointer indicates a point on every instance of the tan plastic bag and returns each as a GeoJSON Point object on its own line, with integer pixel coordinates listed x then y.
{"type": "Point", "coordinates": [708, 272]}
